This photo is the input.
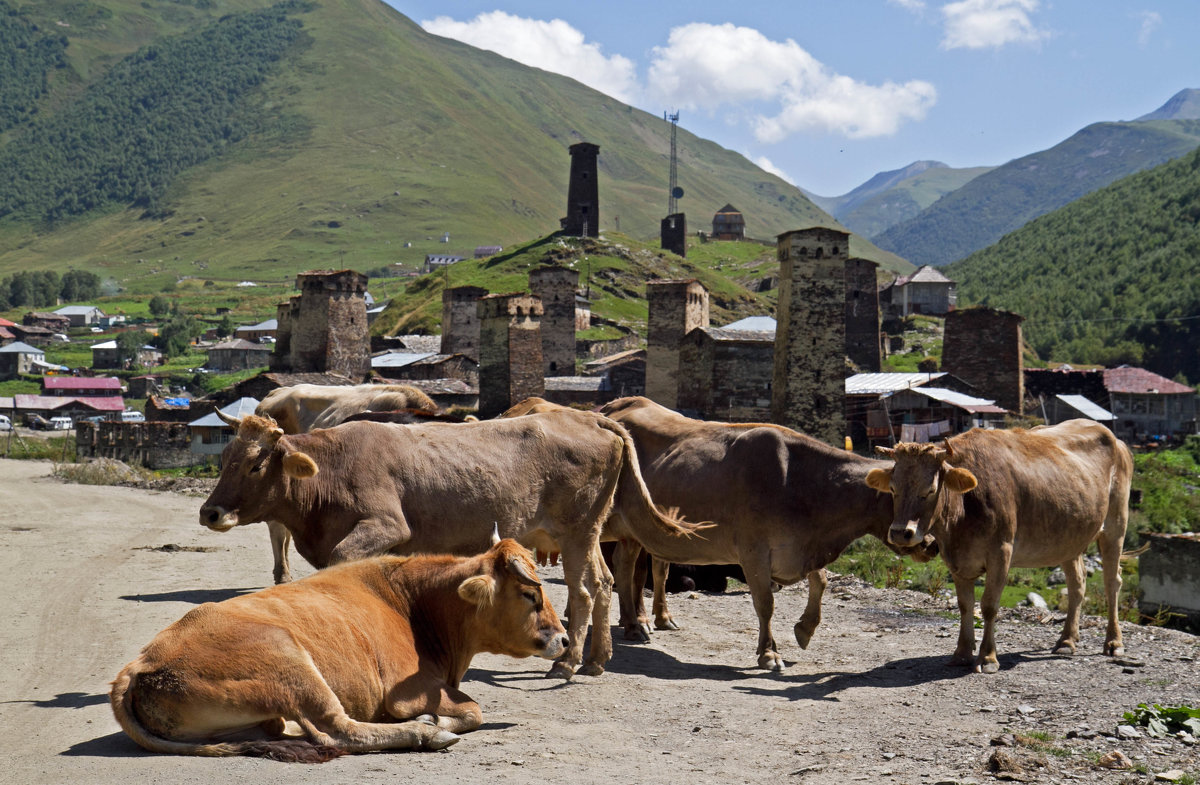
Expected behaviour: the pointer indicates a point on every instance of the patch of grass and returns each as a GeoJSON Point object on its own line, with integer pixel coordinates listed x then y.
{"type": "Point", "coordinates": [54, 448]}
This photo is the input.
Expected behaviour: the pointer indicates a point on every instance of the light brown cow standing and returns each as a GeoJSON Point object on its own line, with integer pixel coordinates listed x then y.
{"type": "Point", "coordinates": [302, 407]}
{"type": "Point", "coordinates": [783, 505]}
{"type": "Point", "coordinates": [364, 656]}
{"type": "Point", "coordinates": [1020, 498]}
{"type": "Point", "coordinates": [365, 488]}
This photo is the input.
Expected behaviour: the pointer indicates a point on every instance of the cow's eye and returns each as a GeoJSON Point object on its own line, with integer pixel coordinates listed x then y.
{"type": "Point", "coordinates": [534, 597]}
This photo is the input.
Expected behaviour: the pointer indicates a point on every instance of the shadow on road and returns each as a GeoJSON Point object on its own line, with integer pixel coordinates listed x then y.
{"type": "Point", "coordinates": [194, 596]}
{"type": "Point", "coordinates": [66, 700]}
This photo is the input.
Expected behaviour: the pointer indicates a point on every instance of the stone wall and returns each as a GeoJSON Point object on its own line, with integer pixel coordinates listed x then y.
{"type": "Point", "coordinates": [510, 351]}
{"type": "Point", "coordinates": [556, 288]}
{"type": "Point", "coordinates": [155, 445]}
{"type": "Point", "coordinates": [460, 320]}
{"type": "Point", "coordinates": [1169, 579]}
{"type": "Point", "coordinates": [808, 382]}
{"type": "Point", "coordinates": [583, 192]}
{"type": "Point", "coordinates": [324, 328]}
{"type": "Point", "coordinates": [675, 309]}
{"type": "Point", "coordinates": [726, 375]}
{"type": "Point", "coordinates": [982, 346]}
{"type": "Point", "coordinates": [862, 315]}
{"type": "Point", "coordinates": [673, 234]}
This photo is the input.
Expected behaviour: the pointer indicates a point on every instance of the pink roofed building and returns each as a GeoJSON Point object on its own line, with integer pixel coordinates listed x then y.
{"type": "Point", "coordinates": [81, 386]}
{"type": "Point", "coordinates": [1147, 404]}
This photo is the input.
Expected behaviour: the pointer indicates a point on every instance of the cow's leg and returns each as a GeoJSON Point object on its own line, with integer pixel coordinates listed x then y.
{"type": "Point", "coordinates": [1112, 539]}
{"type": "Point", "coordinates": [626, 556]}
{"type": "Point", "coordinates": [602, 584]}
{"type": "Point", "coordinates": [370, 537]}
{"type": "Point", "coordinates": [587, 578]}
{"type": "Point", "coordinates": [964, 651]}
{"type": "Point", "coordinates": [281, 542]}
{"type": "Point", "coordinates": [662, 616]}
{"type": "Point", "coordinates": [758, 578]}
{"type": "Point", "coordinates": [817, 581]}
{"type": "Point", "coordinates": [433, 701]}
{"type": "Point", "coordinates": [1073, 569]}
{"type": "Point", "coordinates": [989, 606]}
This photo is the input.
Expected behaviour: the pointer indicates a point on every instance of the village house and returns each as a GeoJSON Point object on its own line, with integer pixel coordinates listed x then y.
{"type": "Point", "coordinates": [406, 366]}
{"type": "Point", "coordinates": [81, 386]}
{"type": "Point", "coordinates": [625, 372]}
{"type": "Point", "coordinates": [210, 434]}
{"type": "Point", "coordinates": [1144, 404]}
{"type": "Point", "coordinates": [256, 332]}
{"type": "Point", "coordinates": [728, 224]}
{"type": "Point", "coordinates": [81, 315]}
{"type": "Point", "coordinates": [925, 291]}
{"type": "Point", "coordinates": [238, 355]}
{"type": "Point", "coordinates": [19, 357]}
{"type": "Point", "coordinates": [106, 355]}
{"type": "Point", "coordinates": [883, 408]}
{"type": "Point", "coordinates": [50, 321]}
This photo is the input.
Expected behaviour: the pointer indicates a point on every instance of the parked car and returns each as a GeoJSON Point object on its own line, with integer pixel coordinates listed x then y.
{"type": "Point", "coordinates": [132, 416]}
{"type": "Point", "coordinates": [37, 422]}
{"type": "Point", "coordinates": [61, 423]}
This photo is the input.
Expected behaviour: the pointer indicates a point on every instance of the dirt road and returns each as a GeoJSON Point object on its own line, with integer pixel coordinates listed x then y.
{"type": "Point", "coordinates": [92, 573]}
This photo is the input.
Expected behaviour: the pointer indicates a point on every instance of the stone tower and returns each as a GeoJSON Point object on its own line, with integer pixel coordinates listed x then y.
{"type": "Point", "coordinates": [556, 288]}
{"type": "Point", "coordinates": [808, 384]}
{"type": "Point", "coordinates": [583, 192]}
{"type": "Point", "coordinates": [460, 320]}
{"type": "Point", "coordinates": [676, 308]}
{"type": "Point", "coordinates": [673, 234]}
{"type": "Point", "coordinates": [982, 346]}
{"type": "Point", "coordinates": [862, 315]}
{"type": "Point", "coordinates": [510, 351]}
{"type": "Point", "coordinates": [324, 328]}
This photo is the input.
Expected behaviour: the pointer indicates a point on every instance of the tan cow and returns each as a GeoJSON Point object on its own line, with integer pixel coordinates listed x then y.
{"type": "Point", "coordinates": [302, 407]}
{"type": "Point", "coordinates": [783, 506]}
{"type": "Point", "coordinates": [365, 488]}
{"type": "Point", "coordinates": [1020, 498]}
{"type": "Point", "coordinates": [364, 656]}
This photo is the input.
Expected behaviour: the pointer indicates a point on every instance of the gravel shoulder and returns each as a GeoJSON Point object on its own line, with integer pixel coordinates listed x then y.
{"type": "Point", "coordinates": [92, 573]}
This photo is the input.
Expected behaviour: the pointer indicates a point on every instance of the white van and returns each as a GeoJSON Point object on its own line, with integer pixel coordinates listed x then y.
{"type": "Point", "coordinates": [132, 416]}
{"type": "Point", "coordinates": [61, 423]}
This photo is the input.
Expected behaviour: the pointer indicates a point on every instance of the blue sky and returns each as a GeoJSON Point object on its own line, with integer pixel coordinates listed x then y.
{"type": "Point", "coordinates": [828, 93]}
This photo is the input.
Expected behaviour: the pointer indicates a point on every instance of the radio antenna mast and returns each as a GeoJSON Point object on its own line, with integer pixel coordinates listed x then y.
{"type": "Point", "coordinates": [673, 189]}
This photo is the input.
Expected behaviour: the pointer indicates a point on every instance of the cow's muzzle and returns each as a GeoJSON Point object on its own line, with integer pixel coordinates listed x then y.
{"type": "Point", "coordinates": [904, 535]}
{"type": "Point", "coordinates": [555, 644]}
{"type": "Point", "coordinates": [218, 518]}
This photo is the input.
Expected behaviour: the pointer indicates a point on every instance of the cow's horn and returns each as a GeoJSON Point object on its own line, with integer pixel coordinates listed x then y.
{"type": "Point", "coordinates": [495, 533]}
{"type": "Point", "coordinates": [228, 420]}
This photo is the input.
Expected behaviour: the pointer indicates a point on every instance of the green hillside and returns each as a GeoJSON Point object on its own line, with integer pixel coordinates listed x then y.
{"type": "Point", "coordinates": [323, 134]}
{"type": "Point", "coordinates": [905, 199]}
{"type": "Point", "coordinates": [1111, 278]}
{"type": "Point", "coordinates": [994, 204]}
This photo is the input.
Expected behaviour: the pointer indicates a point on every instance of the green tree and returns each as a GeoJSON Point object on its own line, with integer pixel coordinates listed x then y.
{"type": "Point", "coordinates": [177, 334]}
{"type": "Point", "coordinates": [129, 344]}
{"type": "Point", "coordinates": [159, 306]}
{"type": "Point", "coordinates": [226, 326]}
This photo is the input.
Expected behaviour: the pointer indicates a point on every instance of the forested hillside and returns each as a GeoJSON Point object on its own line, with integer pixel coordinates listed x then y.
{"type": "Point", "coordinates": [993, 204]}
{"type": "Point", "coordinates": [27, 56]}
{"type": "Point", "coordinates": [1112, 278]}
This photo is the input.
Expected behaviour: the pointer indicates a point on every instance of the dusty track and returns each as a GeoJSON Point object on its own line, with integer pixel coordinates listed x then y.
{"type": "Point", "coordinates": [86, 584]}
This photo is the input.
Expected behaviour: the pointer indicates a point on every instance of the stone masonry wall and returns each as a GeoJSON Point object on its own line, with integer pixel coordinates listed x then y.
{"type": "Point", "coordinates": [862, 315]}
{"type": "Point", "coordinates": [460, 320]}
{"type": "Point", "coordinates": [675, 309]}
{"type": "Point", "coordinates": [982, 346]}
{"type": "Point", "coordinates": [556, 288]}
{"type": "Point", "coordinates": [510, 351]}
{"type": "Point", "coordinates": [808, 384]}
{"type": "Point", "coordinates": [155, 445]}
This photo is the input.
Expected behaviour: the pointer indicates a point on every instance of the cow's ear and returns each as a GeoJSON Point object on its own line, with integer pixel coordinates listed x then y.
{"type": "Point", "coordinates": [479, 590]}
{"type": "Point", "coordinates": [960, 480]}
{"type": "Point", "coordinates": [888, 451]}
{"type": "Point", "coordinates": [299, 465]}
{"type": "Point", "coordinates": [880, 480]}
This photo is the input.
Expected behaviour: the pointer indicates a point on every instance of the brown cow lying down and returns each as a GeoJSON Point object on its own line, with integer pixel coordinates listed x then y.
{"type": "Point", "coordinates": [1001, 499]}
{"type": "Point", "coordinates": [783, 506]}
{"type": "Point", "coordinates": [367, 488]}
{"type": "Point", "coordinates": [364, 656]}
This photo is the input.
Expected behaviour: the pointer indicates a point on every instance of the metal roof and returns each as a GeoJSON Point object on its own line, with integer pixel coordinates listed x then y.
{"type": "Point", "coordinates": [81, 383]}
{"type": "Point", "coordinates": [19, 347]}
{"type": "Point", "coordinates": [398, 359]}
{"type": "Point", "coordinates": [1087, 408]}
{"type": "Point", "coordinates": [753, 324]}
{"type": "Point", "coordinates": [239, 408]}
{"type": "Point", "coordinates": [880, 383]}
{"type": "Point", "coordinates": [966, 402]}
{"type": "Point", "coordinates": [1139, 380]}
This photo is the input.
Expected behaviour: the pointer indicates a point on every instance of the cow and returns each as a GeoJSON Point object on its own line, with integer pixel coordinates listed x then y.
{"type": "Point", "coordinates": [364, 656]}
{"type": "Point", "coordinates": [1022, 498]}
{"type": "Point", "coordinates": [365, 488]}
{"type": "Point", "coordinates": [782, 505]}
{"type": "Point", "coordinates": [302, 407]}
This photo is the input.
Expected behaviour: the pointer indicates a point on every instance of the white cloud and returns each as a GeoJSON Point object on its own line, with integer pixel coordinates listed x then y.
{"type": "Point", "coordinates": [982, 24]}
{"type": "Point", "coordinates": [706, 66]}
{"type": "Point", "coordinates": [916, 6]}
{"type": "Point", "coordinates": [764, 163]}
{"type": "Point", "coordinates": [552, 46]}
{"type": "Point", "coordinates": [1151, 20]}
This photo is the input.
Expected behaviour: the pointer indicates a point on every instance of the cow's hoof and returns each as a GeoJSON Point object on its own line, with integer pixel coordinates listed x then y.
{"type": "Point", "coordinates": [638, 632]}
{"type": "Point", "coordinates": [665, 624]}
{"type": "Point", "coordinates": [770, 661]}
{"type": "Point", "coordinates": [1064, 650]}
{"type": "Point", "coordinates": [426, 719]}
{"type": "Point", "coordinates": [1114, 650]}
{"type": "Point", "coordinates": [987, 667]}
{"type": "Point", "coordinates": [803, 635]}
{"type": "Point", "coordinates": [591, 669]}
{"type": "Point", "coordinates": [441, 740]}
{"type": "Point", "coordinates": [561, 670]}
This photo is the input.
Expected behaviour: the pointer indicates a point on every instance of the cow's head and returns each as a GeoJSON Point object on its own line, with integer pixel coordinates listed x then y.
{"type": "Point", "coordinates": [921, 482]}
{"type": "Point", "coordinates": [252, 466]}
{"type": "Point", "coordinates": [515, 616]}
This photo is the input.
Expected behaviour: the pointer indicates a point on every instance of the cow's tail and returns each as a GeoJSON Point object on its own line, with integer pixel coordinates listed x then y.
{"type": "Point", "coordinates": [287, 750]}
{"type": "Point", "coordinates": [633, 497]}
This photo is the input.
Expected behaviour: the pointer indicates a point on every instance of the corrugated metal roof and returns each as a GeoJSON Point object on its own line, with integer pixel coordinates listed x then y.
{"type": "Point", "coordinates": [965, 402]}
{"type": "Point", "coordinates": [19, 347]}
{"type": "Point", "coordinates": [725, 334]}
{"type": "Point", "coordinates": [239, 408]}
{"type": "Point", "coordinates": [576, 383]}
{"type": "Point", "coordinates": [81, 383]}
{"type": "Point", "coordinates": [1087, 408]}
{"type": "Point", "coordinates": [924, 274]}
{"type": "Point", "coordinates": [880, 383]}
{"type": "Point", "coordinates": [754, 324]}
{"type": "Point", "coordinates": [398, 359]}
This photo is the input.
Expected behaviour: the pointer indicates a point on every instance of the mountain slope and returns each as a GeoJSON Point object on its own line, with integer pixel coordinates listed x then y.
{"type": "Point", "coordinates": [374, 134]}
{"type": "Point", "coordinates": [904, 199]}
{"type": "Point", "coordinates": [993, 204]}
{"type": "Point", "coordinates": [1112, 277]}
